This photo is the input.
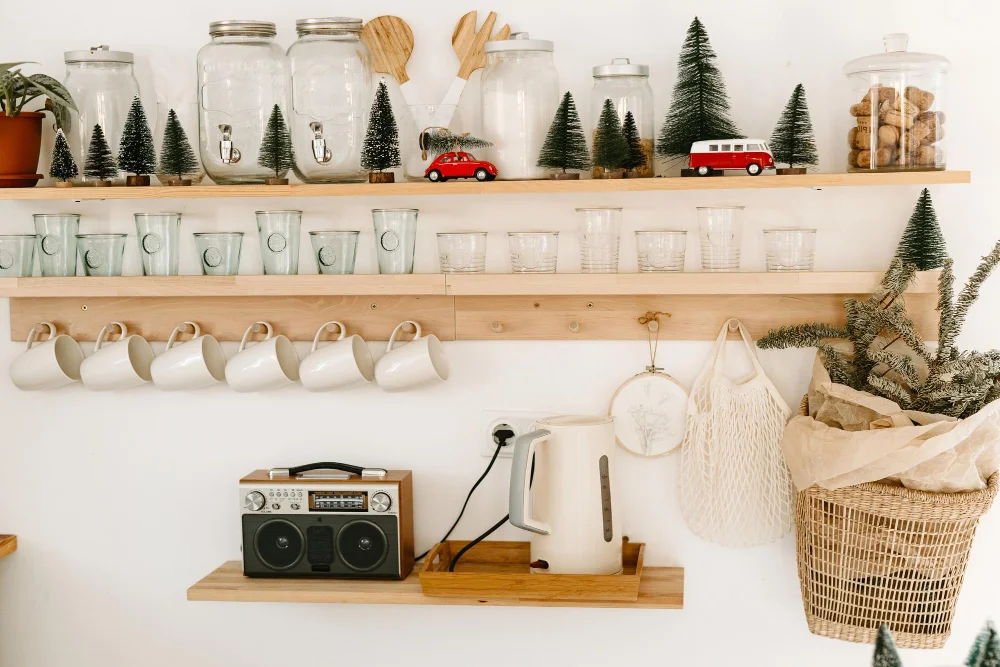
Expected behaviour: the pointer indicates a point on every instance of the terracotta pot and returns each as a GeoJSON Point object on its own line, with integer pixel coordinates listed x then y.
{"type": "Point", "coordinates": [20, 143]}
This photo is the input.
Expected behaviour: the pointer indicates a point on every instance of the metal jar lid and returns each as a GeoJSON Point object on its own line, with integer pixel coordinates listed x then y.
{"type": "Point", "coordinates": [519, 41]}
{"type": "Point", "coordinates": [620, 67]}
{"type": "Point", "coordinates": [99, 54]}
{"type": "Point", "coordinates": [327, 25]}
{"type": "Point", "coordinates": [241, 27]}
{"type": "Point", "coordinates": [897, 59]}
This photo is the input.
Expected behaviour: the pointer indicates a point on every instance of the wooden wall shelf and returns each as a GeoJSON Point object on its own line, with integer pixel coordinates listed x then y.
{"type": "Point", "coordinates": [8, 545]}
{"type": "Point", "coordinates": [661, 588]}
{"type": "Point", "coordinates": [471, 187]}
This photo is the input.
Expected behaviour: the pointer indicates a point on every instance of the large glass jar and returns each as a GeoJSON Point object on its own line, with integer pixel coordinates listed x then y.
{"type": "Point", "coordinates": [242, 74]}
{"type": "Point", "coordinates": [103, 85]}
{"type": "Point", "coordinates": [627, 86]}
{"type": "Point", "coordinates": [331, 72]}
{"type": "Point", "coordinates": [897, 109]}
{"type": "Point", "coordinates": [520, 94]}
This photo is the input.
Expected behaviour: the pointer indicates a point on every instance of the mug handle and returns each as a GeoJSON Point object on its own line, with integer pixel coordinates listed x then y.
{"type": "Point", "coordinates": [253, 328]}
{"type": "Point", "coordinates": [106, 331]}
{"type": "Point", "coordinates": [37, 330]}
{"type": "Point", "coordinates": [178, 329]}
{"type": "Point", "coordinates": [399, 327]}
{"type": "Point", "coordinates": [325, 327]}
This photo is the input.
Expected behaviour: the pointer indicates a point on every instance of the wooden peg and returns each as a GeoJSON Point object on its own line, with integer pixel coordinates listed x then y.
{"type": "Point", "coordinates": [574, 326]}
{"type": "Point", "coordinates": [408, 328]}
{"type": "Point", "coordinates": [653, 325]}
{"type": "Point", "coordinates": [497, 326]}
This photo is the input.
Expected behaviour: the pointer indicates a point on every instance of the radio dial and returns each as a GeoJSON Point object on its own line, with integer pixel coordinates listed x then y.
{"type": "Point", "coordinates": [254, 501]}
{"type": "Point", "coordinates": [380, 502]}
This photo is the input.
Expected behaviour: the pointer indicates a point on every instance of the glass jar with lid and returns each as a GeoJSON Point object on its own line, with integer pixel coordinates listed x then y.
{"type": "Point", "coordinates": [627, 86]}
{"type": "Point", "coordinates": [520, 94]}
{"type": "Point", "coordinates": [331, 73]}
{"type": "Point", "coordinates": [103, 85]}
{"type": "Point", "coordinates": [242, 74]}
{"type": "Point", "coordinates": [897, 109]}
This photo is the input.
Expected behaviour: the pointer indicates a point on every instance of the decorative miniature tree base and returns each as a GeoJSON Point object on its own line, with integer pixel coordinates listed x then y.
{"type": "Point", "coordinates": [611, 173]}
{"type": "Point", "coordinates": [65, 184]}
{"type": "Point", "coordinates": [101, 184]}
{"type": "Point", "coordinates": [790, 171]}
{"type": "Point", "coordinates": [176, 181]}
{"type": "Point", "coordinates": [381, 177]}
{"type": "Point", "coordinates": [275, 181]}
{"type": "Point", "coordinates": [565, 176]}
{"type": "Point", "coordinates": [134, 180]}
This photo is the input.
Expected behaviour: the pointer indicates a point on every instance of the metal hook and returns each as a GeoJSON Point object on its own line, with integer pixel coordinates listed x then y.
{"type": "Point", "coordinates": [574, 326]}
{"type": "Point", "coordinates": [497, 326]}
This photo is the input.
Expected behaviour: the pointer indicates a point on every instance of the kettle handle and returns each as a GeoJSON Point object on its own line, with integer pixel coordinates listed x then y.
{"type": "Point", "coordinates": [520, 486]}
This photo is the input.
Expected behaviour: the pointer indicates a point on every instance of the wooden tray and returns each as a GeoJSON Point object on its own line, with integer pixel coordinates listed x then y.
{"type": "Point", "coordinates": [501, 571]}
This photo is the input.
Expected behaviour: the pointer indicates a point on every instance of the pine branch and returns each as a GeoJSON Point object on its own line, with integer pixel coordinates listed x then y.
{"type": "Point", "coordinates": [970, 292]}
{"type": "Point", "coordinates": [946, 307]}
{"type": "Point", "coordinates": [800, 335]}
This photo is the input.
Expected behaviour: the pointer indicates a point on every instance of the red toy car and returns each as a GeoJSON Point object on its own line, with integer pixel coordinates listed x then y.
{"type": "Point", "coordinates": [460, 165]}
{"type": "Point", "coordinates": [754, 155]}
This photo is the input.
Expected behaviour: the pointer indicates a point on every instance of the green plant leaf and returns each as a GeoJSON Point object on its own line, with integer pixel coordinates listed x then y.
{"type": "Point", "coordinates": [5, 67]}
{"type": "Point", "coordinates": [54, 90]}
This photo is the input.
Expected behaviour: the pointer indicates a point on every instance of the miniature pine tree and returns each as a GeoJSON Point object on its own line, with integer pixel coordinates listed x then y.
{"type": "Point", "coordinates": [793, 142]}
{"type": "Point", "coordinates": [381, 148]}
{"type": "Point", "coordinates": [565, 145]}
{"type": "Point", "coordinates": [886, 654]}
{"type": "Point", "coordinates": [610, 148]}
{"type": "Point", "coordinates": [63, 166]}
{"type": "Point", "coordinates": [442, 140]}
{"type": "Point", "coordinates": [923, 243]}
{"type": "Point", "coordinates": [990, 655]}
{"type": "Point", "coordinates": [276, 147]}
{"type": "Point", "coordinates": [985, 636]}
{"type": "Point", "coordinates": [636, 156]}
{"type": "Point", "coordinates": [100, 164]}
{"type": "Point", "coordinates": [700, 106]}
{"type": "Point", "coordinates": [177, 158]}
{"type": "Point", "coordinates": [136, 154]}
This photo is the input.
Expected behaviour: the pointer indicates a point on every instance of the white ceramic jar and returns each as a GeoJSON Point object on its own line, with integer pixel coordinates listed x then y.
{"type": "Point", "coordinates": [520, 94]}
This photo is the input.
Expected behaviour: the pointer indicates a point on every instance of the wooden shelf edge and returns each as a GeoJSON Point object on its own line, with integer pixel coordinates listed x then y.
{"type": "Point", "coordinates": [661, 588]}
{"type": "Point", "coordinates": [8, 545]}
{"type": "Point", "coordinates": [472, 187]}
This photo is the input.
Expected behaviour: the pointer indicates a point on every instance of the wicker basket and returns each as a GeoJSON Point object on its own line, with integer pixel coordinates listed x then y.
{"type": "Point", "coordinates": [876, 553]}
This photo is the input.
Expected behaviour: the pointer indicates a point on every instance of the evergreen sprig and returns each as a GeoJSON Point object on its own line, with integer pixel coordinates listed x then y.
{"type": "Point", "coordinates": [276, 151]}
{"type": "Point", "coordinates": [100, 162]}
{"type": "Point", "coordinates": [381, 148]}
{"type": "Point", "coordinates": [922, 242]}
{"type": "Point", "coordinates": [885, 654]}
{"type": "Point", "coordinates": [986, 649]}
{"type": "Point", "coordinates": [136, 154]}
{"type": "Point", "coordinates": [636, 156]}
{"type": "Point", "coordinates": [62, 166]}
{"type": "Point", "coordinates": [610, 147]}
{"type": "Point", "coordinates": [565, 145]}
{"type": "Point", "coordinates": [177, 158]}
{"type": "Point", "coordinates": [793, 142]}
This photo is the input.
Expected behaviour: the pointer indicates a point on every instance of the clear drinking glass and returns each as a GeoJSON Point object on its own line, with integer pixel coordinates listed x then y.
{"type": "Point", "coordinates": [395, 238]}
{"type": "Point", "coordinates": [533, 252]}
{"type": "Point", "coordinates": [187, 116]}
{"type": "Point", "coordinates": [421, 121]}
{"type": "Point", "coordinates": [721, 234]}
{"type": "Point", "coordinates": [600, 230]}
{"type": "Point", "coordinates": [661, 249]}
{"type": "Point", "coordinates": [789, 249]}
{"type": "Point", "coordinates": [159, 242]}
{"type": "Point", "coordinates": [462, 252]}
{"type": "Point", "coordinates": [219, 252]}
{"type": "Point", "coordinates": [278, 232]}
{"type": "Point", "coordinates": [17, 255]}
{"type": "Point", "coordinates": [101, 254]}
{"type": "Point", "coordinates": [335, 252]}
{"type": "Point", "coordinates": [56, 238]}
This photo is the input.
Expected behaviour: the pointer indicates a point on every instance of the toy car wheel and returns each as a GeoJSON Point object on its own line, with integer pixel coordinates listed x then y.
{"type": "Point", "coordinates": [434, 176]}
{"type": "Point", "coordinates": [704, 171]}
{"type": "Point", "coordinates": [482, 174]}
{"type": "Point", "coordinates": [753, 169]}
{"type": "Point", "coordinates": [491, 177]}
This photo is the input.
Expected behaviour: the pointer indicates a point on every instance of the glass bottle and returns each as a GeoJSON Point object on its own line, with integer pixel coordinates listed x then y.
{"type": "Point", "coordinates": [627, 86]}
{"type": "Point", "coordinates": [331, 74]}
{"type": "Point", "coordinates": [242, 74]}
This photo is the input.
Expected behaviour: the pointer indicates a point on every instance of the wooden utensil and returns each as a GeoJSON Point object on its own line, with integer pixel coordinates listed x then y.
{"type": "Point", "coordinates": [468, 44]}
{"type": "Point", "coordinates": [390, 40]}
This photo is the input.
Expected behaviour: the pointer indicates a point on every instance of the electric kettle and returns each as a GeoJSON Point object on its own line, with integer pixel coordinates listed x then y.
{"type": "Point", "coordinates": [564, 500]}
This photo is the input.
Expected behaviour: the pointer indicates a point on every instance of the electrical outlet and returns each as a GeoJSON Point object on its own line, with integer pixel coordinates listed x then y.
{"type": "Point", "coordinates": [520, 422]}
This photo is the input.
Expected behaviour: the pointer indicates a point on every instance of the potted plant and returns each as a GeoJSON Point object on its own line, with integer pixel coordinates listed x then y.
{"type": "Point", "coordinates": [20, 130]}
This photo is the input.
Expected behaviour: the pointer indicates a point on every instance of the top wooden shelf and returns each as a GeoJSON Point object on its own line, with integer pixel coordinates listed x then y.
{"type": "Point", "coordinates": [471, 187]}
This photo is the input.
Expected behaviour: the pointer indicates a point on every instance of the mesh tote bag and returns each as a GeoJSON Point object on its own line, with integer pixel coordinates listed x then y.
{"type": "Point", "coordinates": [735, 488]}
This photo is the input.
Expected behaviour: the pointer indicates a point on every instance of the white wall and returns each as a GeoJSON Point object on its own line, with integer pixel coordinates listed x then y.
{"type": "Point", "coordinates": [121, 502]}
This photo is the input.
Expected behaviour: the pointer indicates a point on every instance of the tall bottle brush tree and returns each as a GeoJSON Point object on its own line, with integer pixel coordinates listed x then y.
{"type": "Point", "coordinates": [699, 109]}
{"type": "Point", "coordinates": [565, 146]}
{"type": "Point", "coordinates": [885, 654]}
{"type": "Point", "coordinates": [100, 164]}
{"type": "Point", "coordinates": [922, 243]}
{"type": "Point", "coordinates": [636, 156]}
{"type": "Point", "coordinates": [62, 166]}
{"type": "Point", "coordinates": [276, 148]}
{"type": "Point", "coordinates": [136, 154]}
{"type": "Point", "coordinates": [380, 151]}
{"type": "Point", "coordinates": [793, 142]}
{"type": "Point", "coordinates": [177, 158]}
{"type": "Point", "coordinates": [610, 147]}
{"type": "Point", "coordinates": [985, 650]}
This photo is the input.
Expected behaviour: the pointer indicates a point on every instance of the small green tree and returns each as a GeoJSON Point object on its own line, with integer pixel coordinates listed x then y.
{"type": "Point", "coordinates": [136, 154]}
{"type": "Point", "coordinates": [636, 156]}
{"type": "Point", "coordinates": [100, 162]}
{"type": "Point", "coordinates": [985, 636]}
{"type": "Point", "coordinates": [610, 147]}
{"type": "Point", "coordinates": [565, 145]}
{"type": "Point", "coordinates": [177, 158]}
{"type": "Point", "coordinates": [793, 142]}
{"type": "Point", "coordinates": [381, 148]}
{"type": "Point", "coordinates": [442, 140]}
{"type": "Point", "coordinates": [923, 243]}
{"type": "Point", "coordinates": [276, 147]}
{"type": "Point", "coordinates": [886, 654]}
{"type": "Point", "coordinates": [62, 166]}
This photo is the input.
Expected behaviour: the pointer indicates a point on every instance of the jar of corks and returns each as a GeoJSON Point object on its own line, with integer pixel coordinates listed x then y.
{"type": "Point", "coordinates": [897, 113]}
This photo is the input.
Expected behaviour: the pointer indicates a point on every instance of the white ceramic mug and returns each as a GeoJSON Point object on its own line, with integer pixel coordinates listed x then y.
{"type": "Point", "coordinates": [412, 364]}
{"type": "Point", "coordinates": [49, 364]}
{"type": "Point", "coordinates": [344, 363]}
{"type": "Point", "coordinates": [270, 364]}
{"type": "Point", "coordinates": [120, 365]}
{"type": "Point", "coordinates": [193, 364]}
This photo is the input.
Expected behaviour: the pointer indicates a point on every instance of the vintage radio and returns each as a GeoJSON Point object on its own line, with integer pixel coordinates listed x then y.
{"type": "Point", "coordinates": [327, 520]}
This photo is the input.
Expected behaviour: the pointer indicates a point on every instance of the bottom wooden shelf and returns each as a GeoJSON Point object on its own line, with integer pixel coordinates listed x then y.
{"type": "Point", "coordinates": [661, 588]}
{"type": "Point", "coordinates": [8, 545]}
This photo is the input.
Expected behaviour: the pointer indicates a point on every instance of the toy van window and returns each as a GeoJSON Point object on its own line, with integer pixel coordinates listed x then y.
{"type": "Point", "coordinates": [727, 147]}
{"type": "Point", "coordinates": [753, 147]}
{"type": "Point", "coordinates": [713, 147]}
{"type": "Point", "coordinates": [738, 147]}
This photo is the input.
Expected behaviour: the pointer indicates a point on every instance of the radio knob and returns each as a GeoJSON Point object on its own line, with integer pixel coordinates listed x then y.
{"type": "Point", "coordinates": [380, 502]}
{"type": "Point", "coordinates": [254, 501]}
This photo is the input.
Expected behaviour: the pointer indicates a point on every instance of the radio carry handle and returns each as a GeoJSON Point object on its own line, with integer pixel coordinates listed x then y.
{"type": "Point", "coordinates": [327, 465]}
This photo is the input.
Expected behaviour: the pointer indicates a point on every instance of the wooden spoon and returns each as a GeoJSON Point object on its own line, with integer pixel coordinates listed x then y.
{"type": "Point", "coordinates": [468, 44]}
{"type": "Point", "coordinates": [390, 40]}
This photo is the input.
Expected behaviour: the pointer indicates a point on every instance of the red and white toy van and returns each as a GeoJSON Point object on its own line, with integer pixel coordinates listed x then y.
{"type": "Point", "coordinates": [754, 155]}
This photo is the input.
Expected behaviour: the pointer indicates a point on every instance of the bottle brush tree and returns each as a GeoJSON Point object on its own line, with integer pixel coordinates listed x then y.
{"type": "Point", "coordinates": [380, 151]}
{"type": "Point", "coordinates": [565, 146]}
{"type": "Point", "coordinates": [177, 158]}
{"type": "Point", "coordinates": [793, 142]}
{"type": "Point", "coordinates": [636, 156]}
{"type": "Point", "coordinates": [699, 109]}
{"type": "Point", "coordinates": [442, 140]}
{"type": "Point", "coordinates": [610, 147]}
{"type": "Point", "coordinates": [985, 650]}
{"type": "Point", "coordinates": [886, 654]}
{"type": "Point", "coordinates": [62, 166]}
{"type": "Point", "coordinates": [136, 154]}
{"type": "Point", "coordinates": [100, 164]}
{"type": "Point", "coordinates": [276, 147]}
{"type": "Point", "coordinates": [922, 243]}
